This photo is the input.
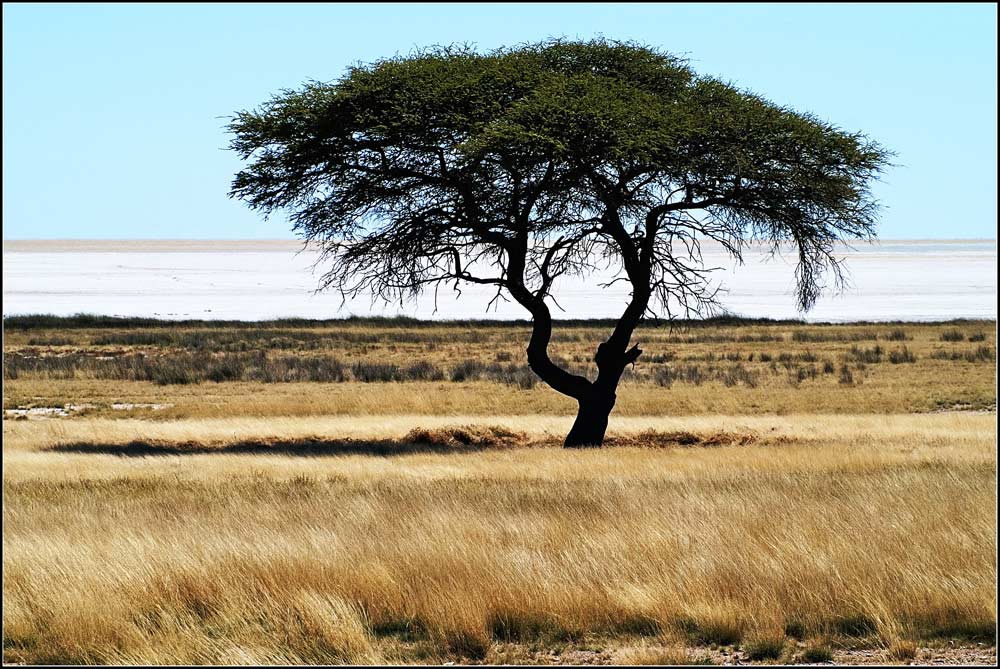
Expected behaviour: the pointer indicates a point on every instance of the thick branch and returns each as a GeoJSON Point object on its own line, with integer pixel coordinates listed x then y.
{"type": "Point", "coordinates": [541, 330]}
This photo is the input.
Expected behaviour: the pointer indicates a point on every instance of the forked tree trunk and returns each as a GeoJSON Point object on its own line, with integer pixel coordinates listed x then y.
{"type": "Point", "coordinates": [596, 399]}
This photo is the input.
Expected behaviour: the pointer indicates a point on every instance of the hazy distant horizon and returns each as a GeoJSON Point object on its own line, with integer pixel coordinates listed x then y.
{"type": "Point", "coordinates": [249, 241]}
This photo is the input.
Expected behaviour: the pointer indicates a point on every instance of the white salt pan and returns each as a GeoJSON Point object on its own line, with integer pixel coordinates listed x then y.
{"type": "Point", "coordinates": [922, 280]}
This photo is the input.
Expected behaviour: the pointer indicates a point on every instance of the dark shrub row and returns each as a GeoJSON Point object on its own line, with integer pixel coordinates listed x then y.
{"type": "Point", "coordinates": [980, 354]}
{"type": "Point", "coordinates": [194, 367]}
{"type": "Point", "coordinates": [833, 336]}
{"type": "Point", "coordinates": [694, 374]}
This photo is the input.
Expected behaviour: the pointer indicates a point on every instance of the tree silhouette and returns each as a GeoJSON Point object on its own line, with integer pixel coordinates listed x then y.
{"type": "Point", "coordinates": [518, 166]}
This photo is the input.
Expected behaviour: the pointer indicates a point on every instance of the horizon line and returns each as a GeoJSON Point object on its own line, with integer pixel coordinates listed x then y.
{"type": "Point", "coordinates": [299, 240]}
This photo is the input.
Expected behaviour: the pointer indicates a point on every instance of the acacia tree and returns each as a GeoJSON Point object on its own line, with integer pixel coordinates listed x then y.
{"type": "Point", "coordinates": [518, 166]}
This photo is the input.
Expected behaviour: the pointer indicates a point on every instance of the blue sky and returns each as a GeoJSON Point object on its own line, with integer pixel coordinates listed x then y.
{"type": "Point", "coordinates": [113, 115]}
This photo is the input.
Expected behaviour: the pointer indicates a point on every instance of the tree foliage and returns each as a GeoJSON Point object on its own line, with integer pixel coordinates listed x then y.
{"type": "Point", "coordinates": [515, 167]}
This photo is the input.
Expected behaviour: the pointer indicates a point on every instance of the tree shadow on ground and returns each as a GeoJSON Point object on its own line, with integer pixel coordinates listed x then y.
{"type": "Point", "coordinates": [464, 439]}
{"type": "Point", "coordinates": [454, 440]}
{"type": "Point", "coordinates": [299, 447]}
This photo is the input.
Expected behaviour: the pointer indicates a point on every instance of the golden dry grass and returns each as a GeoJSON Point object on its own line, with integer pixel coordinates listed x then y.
{"type": "Point", "coordinates": [375, 522]}
{"type": "Point", "coordinates": [933, 389]}
{"type": "Point", "coordinates": [878, 526]}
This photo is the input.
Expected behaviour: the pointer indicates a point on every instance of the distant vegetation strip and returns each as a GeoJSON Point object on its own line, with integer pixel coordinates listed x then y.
{"type": "Point", "coordinates": [78, 321]}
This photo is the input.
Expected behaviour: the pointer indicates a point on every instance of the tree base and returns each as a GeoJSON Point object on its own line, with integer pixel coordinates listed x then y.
{"type": "Point", "coordinates": [591, 423]}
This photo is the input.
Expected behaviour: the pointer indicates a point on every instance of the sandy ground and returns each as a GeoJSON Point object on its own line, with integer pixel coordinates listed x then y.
{"type": "Point", "coordinates": [957, 655]}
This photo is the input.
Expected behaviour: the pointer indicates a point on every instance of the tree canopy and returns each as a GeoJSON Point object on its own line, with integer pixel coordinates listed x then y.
{"type": "Point", "coordinates": [514, 167]}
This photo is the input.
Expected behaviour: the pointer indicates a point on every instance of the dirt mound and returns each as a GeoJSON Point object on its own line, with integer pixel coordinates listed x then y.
{"type": "Point", "coordinates": [465, 436]}
{"type": "Point", "coordinates": [653, 439]}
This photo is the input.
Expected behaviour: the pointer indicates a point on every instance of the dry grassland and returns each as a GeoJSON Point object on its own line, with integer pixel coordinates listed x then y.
{"type": "Point", "coordinates": [433, 521]}
{"type": "Point", "coordinates": [367, 368]}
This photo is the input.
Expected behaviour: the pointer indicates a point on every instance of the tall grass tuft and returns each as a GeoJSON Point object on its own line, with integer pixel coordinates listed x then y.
{"type": "Point", "coordinates": [902, 355]}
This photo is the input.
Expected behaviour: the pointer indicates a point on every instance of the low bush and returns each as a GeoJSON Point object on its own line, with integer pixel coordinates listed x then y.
{"type": "Point", "coordinates": [902, 355]}
{"type": "Point", "coordinates": [866, 355]}
{"type": "Point", "coordinates": [846, 376]}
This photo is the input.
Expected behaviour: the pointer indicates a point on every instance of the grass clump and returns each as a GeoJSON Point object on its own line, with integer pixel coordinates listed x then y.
{"type": "Point", "coordinates": [825, 335]}
{"type": "Point", "coordinates": [902, 355]}
{"type": "Point", "coordinates": [795, 629]}
{"type": "Point", "coordinates": [520, 376]}
{"type": "Point", "coordinates": [800, 374]}
{"type": "Point", "coordinates": [866, 355]}
{"type": "Point", "coordinates": [846, 377]}
{"type": "Point", "coordinates": [817, 654]}
{"type": "Point", "coordinates": [765, 647]}
{"type": "Point", "coordinates": [513, 626]}
{"type": "Point", "coordinates": [637, 625]}
{"type": "Point", "coordinates": [902, 650]}
{"type": "Point", "coordinates": [666, 376]}
{"type": "Point", "coordinates": [405, 629]}
{"type": "Point", "coordinates": [467, 370]}
{"type": "Point", "coordinates": [376, 372]}
{"type": "Point", "coordinates": [738, 374]}
{"type": "Point", "coordinates": [981, 354]}
{"type": "Point", "coordinates": [424, 371]}
{"type": "Point", "coordinates": [477, 436]}
{"type": "Point", "coordinates": [470, 644]}
{"type": "Point", "coordinates": [716, 627]}
{"type": "Point", "coordinates": [855, 625]}
{"type": "Point", "coordinates": [669, 656]}
{"type": "Point", "coordinates": [326, 629]}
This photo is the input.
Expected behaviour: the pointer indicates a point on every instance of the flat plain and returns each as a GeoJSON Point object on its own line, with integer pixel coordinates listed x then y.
{"type": "Point", "coordinates": [394, 491]}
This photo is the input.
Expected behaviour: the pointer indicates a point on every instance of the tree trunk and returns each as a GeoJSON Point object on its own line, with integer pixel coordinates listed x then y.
{"type": "Point", "coordinates": [596, 399]}
{"type": "Point", "coordinates": [591, 420]}
{"type": "Point", "coordinates": [599, 399]}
